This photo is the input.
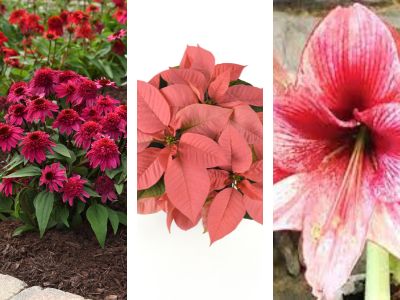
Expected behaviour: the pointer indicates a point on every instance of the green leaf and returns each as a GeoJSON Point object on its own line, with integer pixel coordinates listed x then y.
{"type": "Point", "coordinates": [21, 229]}
{"type": "Point", "coordinates": [14, 162]}
{"type": "Point", "coordinates": [61, 215]}
{"type": "Point", "coordinates": [61, 149]}
{"type": "Point", "coordinates": [114, 219]}
{"type": "Point", "coordinates": [122, 217]}
{"type": "Point", "coordinates": [155, 191]}
{"type": "Point", "coordinates": [395, 268]}
{"type": "Point", "coordinates": [83, 171]}
{"type": "Point", "coordinates": [113, 173]}
{"type": "Point", "coordinates": [91, 192]}
{"type": "Point", "coordinates": [119, 188]}
{"type": "Point", "coordinates": [43, 203]}
{"type": "Point", "coordinates": [25, 172]}
{"type": "Point", "coordinates": [97, 216]}
{"type": "Point", "coordinates": [6, 204]}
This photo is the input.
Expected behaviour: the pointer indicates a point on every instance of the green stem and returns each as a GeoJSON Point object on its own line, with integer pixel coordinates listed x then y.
{"type": "Point", "coordinates": [378, 273]}
{"type": "Point", "coordinates": [48, 55]}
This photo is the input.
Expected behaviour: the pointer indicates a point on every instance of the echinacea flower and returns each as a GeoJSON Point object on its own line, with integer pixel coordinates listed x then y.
{"type": "Point", "coordinates": [86, 133]}
{"type": "Point", "coordinates": [74, 188]}
{"type": "Point", "coordinates": [53, 177]}
{"type": "Point", "coordinates": [17, 15]}
{"type": "Point", "coordinates": [105, 188]}
{"type": "Point", "coordinates": [122, 111]}
{"type": "Point", "coordinates": [40, 109]}
{"type": "Point", "coordinates": [118, 47]}
{"type": "Point", "coordinates": [3, 38]}
{"type": "Point", "coordinates": [67, 121]}
{"type": "Point", "coordinates": [118, 35]}
{"type": "Point", "coordinates": [35, 145]}
{"type": "Point", "coordinates": [67, 75]}
{"type": "Point", "coordinates": [91, 114]}
{"type": "Point", "coordinates": [104, 153]}
{"type": "Point", "coordinates": [104, 82]}
{"type": "Point", "coordinates": [16, 114]}
{"type": "Point", "coordinates": [113, 125]}
{"type": "Point", "coordinates": [43, 82]}
{"type": "Point", "coordinates": [86, 92]}
{"type": "Point", "coordinates": [106, 104]}
{"type": "Point", "coordinates": [337, 131]}
{"type": "Point", "coordinates": [9, 137]}
{"type": "Point", "coordinates": [18, 91]}
{"type": "Point", "coordinates": [67, 90]}
{"type": "Point", "coordinates": [55, 25]}
{"type": "Point", "coordinates": [6, 186]}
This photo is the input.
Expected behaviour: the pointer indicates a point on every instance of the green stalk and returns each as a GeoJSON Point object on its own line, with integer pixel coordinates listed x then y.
{"type": "Point", "coordinates": [48, 55]}
{"type": "Point", "coordinates": [378, 273]}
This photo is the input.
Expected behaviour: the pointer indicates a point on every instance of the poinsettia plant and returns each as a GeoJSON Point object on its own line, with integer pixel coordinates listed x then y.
{"type": "Point", "coordinates": [336, 151]}
{"type": "Point", "coordinates": [87, 38]}
{"type": "Point", "coordinates": [63, 140]}
{"type": "Point", "coordinates": [200, 145]}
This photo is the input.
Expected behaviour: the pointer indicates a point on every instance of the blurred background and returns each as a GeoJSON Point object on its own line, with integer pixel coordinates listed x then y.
{"type": "Point", "coordinates": [293, 22]}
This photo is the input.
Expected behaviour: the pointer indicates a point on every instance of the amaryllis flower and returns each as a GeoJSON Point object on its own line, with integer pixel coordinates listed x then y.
{"type": "Point", "coordinates": [113, 125]}
{"type": "Point", "coordinates": [105, 188]}
{"type": "Point", "coordinates": [74, 188]}
{"type": "Point", "coordinates": [9, 137]}
{"type": "Point", "coordinates": [337, 130]}
{"type": "Point", "coordinates": [40, 109]}
{"type": "Point", "coordinates": [86, 133]}
{"type": "Point", "coordinates": [67, 121]}
{"type": "Point", "coordinates": [17, 92]}
{"type": "Point", "coordinates": [6, 186]}
{"type": "Point", "coordinates": [43, 82]}
{"type": "Point", "coordinates": [104, 82]}
{"type": "Point", "coordinates": [35, 145]}
{"type": "Point", "coordinates": [55, 25]}
{"type": "Point", "coordinates": [53, 177]}
{"type": "Point", "coordinates": [104, 153]}
{"type": "Point", "coordinates": [16, 114]}
{"type": "Point", "coordinates": [118, 35]}
{"type": "Point", "coordinates": [106, 104]}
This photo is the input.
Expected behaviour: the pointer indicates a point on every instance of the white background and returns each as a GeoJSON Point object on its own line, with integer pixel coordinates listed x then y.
{"type": "Point", "coordinates": [182, 265]}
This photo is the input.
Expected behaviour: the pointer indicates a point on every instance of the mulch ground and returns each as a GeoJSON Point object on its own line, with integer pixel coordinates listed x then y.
{"type": "Point", "coordinates": [66, 260]}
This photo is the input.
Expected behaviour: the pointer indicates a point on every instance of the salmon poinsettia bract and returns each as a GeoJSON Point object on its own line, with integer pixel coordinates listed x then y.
{"type": "Point", "coordinates": [200, 145]}
{"type": "Point", "coordinates": [336, 145]}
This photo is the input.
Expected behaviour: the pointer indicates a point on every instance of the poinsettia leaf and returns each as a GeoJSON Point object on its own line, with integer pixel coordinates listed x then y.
{"type": "Point", "coordinates": [187, 187]}
{"type": "Point", "coordinates": [179, 96]}
{"type": "Point", "coordinates": [234, 70]}
{"type": "Point", "coordinates": [155, 191]}
{"type": "Point", "coordinates": [43, 203]}
{"type": "Point", "coordinates": [225, 213]}
{"type": "Point", "coordinates": [246, 121]}
{"type": "Point", "coordinates": [208, 120]}
{"type": "Point", "coordinates": [254, 208]}
{"type": "Point", "coordinates": [25, 172]}
{"type": "Point", "coordinates": [244, 93]}
{"type": "Point", "coordinates": [200, 150]}
{"type": "Point", "coordinates": [151, 165]}
{"type": "Point", "coordinates": [219, 86]}
{"type": "Point", "coordinates": [153, 110]}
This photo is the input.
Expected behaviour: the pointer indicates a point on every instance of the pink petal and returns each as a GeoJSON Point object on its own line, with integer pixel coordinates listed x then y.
{"type": "Point", "coordinates": [234, 70]}
{"type": "Point", "coordinates": [237, 151]}
{"type": "Point", "coordinates": [385, 226]}
{"type": "Point", "coordinates": [218, 179]}
{"type": "Point", "coordinates": [153, 110]}
{"type": "Point", "coordinates": [242, 94]}
{"type": "Point", "coordinates": [255, 173]}
{"type": "Point", "coordinates": [253, 191]}
{"type": "Point", "coordinates": [144, 140]}
{"type": "Point", "coordinates": [198, 59]}
{"type": "Point", "coordinates": [199, 150]}
{"type": "Point", "coordinates": [151, 165]}
{"type": "Point", "coordinates": [281, 78]}
{"type": "Point", "coordinates": [383, 122]}
{"type": "Point", "coordinates": [254, 208]}
{"type": "Point", "coordinates": [178, 96]}
{"type": "Point", "coordinates": [148, 206]}
{"type": "Point", "coordinates": [246, 121]}
{"type": "Point", "coordinates": [351, 60]}
{"type": "Point", "coordinates": [219, 86]}
{"type": "Point", "coordinates": [226, 212]}
{"type": "Point", "coordinates": [208, 120]}
{"type": "Point", "coordinates": [187, 187]}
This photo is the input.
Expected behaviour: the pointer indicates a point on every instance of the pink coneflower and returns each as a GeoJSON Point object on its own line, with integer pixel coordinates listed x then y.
{"type": "Point", "coordinates": [91, 114]}
{"type": "Point", "coordinates": [104, 153]}
{"type": "Point", "coordinates": [43, 82]}
{"type": "Point", "coordinates": [64, 76]}
{"type": "Point", "coordinates": [118, 47]}
{"type": "Point", "coordinates": [86, 92]}
{"type": "Point", "coordinates": [122, 111]}
{"type": "Point", "coordinates": [17, 15]}
{"type": "Point", "coordinates": [118, 35]}
{"type": "Point", "coordinates": [113, 125]}
{"type": "Point", "coordinates": [39, 109]}
{"type": "Point", "coordinates": [34, 146]}
{"type": "Point", "coordinates": [105, 188]}
{"type": "Point", "coordinates": [55, 25]}
{"type": "Point", "coordinates": [53, 176]}
{"type": "Point", "coordinates": [68, 120]}
{"type": "Point", "coordinates": [9, 136]}
{"type": "Point", "coordinates": [18, 91]}
{"type": "Point", "coordinates": [73, 188]}
{"type": "Point", "coordinates": [85, 135]}
{"type": "Point", "coordinates": [104, 82]}
{"type": "Point", "coordinates": [16, 114]}
{"type": "Point", "coordinates": [6, 186]}
{"type": "Point", "coordinates": [84, 31]}
{"type": "Point", "coordinates": [106, 104]}
{"type": "Point", "coordinates": [67, 90]}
